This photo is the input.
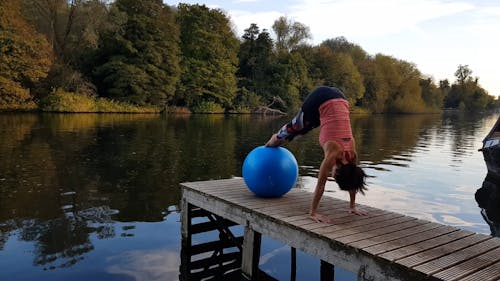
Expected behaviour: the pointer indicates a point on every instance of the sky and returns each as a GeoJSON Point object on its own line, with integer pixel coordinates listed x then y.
{"type": "Point", "coordinates": [436, 35]}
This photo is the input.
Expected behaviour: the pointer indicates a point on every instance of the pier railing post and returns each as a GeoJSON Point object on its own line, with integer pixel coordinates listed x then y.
{"type": "Point", "coordinates": [250, 254]}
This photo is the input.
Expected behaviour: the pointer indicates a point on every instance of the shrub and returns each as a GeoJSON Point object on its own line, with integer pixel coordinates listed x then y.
{"type": "Point", "coordinates": [62, 101]}
{"type": "Point", "coordinates": [207, 107]}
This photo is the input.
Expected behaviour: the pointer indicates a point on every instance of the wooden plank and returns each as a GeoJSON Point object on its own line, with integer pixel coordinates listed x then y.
{"type": "Point", "coordinates": [341, 217]}
{"type": "Point", "coordinates": [434, 253]}
{"type": "Point", "coordinates": [458, 256]}
{"type": "Point", "coordinates": [334, 212]}
{"type": "Point", "coordinates": [289, 203]}
{"type": "Point", "coordinates": [491, 273]}
{"type": "Point", "coordinates": [381, 223]}
{"type": "Point", "coordinates": [251, 201]}
{"type": "Point", "coordinates": [378, 231]}
{"type": "Point", "coordinates": [425, 245]}
{"type": "Point", "coordinates": [298, 210]}
{"type": "Point", "coordinates": [305, 222]}
{"type": "Point", "coordinates": [396, 235]}
{"type": "Point", "coordinates": [331, 208]}
{"type": "Point", "coordinates": [409, 240]}
{"type": "Point", "coordinates": [348, 222]}
{"type": "Point", "coordinates": [470, 266]}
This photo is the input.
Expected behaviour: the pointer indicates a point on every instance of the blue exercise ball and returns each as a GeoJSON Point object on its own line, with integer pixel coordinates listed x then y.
{"type": "Point", "coordinates": [270, 171]}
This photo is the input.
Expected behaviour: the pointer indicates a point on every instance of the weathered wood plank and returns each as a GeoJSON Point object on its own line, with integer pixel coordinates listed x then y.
{"type": "Point", "coordinates": [470, 266]}
{"type": "Point", "coordinates": [409, 240]}
{"type": "Point", "coordinates": [396, 235]}
{"type": "Point", "coordinates": [434, 253]}
{"type": "Point", "coordinates": [490, 273]}
{"type": "Point", "coordinates": [368, 227]}
{"type": "Point", "coordinates": [353, 221]}
{"type": "Point", "coordinates": [458, 256]}
{"type": "Point", "coordinates": [374, 232]}
{"type": "Point", "coordinates": [425, 245]}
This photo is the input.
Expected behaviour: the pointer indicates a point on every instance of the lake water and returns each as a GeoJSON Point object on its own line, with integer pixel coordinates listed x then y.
{"type": "Point", "coordinates": [96, 197]}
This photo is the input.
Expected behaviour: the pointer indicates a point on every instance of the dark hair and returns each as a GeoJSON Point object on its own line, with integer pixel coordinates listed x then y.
{"type": "Point", "coordinates": [351, 177]}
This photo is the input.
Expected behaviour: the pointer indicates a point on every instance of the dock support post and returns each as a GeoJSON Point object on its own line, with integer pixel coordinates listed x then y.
{"type": "Point", "coordinates": [186, 240]}
{"type": "Point", "coordinates": [250, 254]}
{"type": "Point", "coordinates": [327, 271]}
{"type": "Point", "coordinates": [185, 221]}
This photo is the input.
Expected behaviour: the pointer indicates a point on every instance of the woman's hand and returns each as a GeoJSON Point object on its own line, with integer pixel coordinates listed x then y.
{"type": "Point", "coordinates": [274, 141]}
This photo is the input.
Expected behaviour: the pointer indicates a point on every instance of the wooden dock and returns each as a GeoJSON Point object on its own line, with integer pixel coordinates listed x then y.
{"type": "Point", "coordinates": [381, 246]}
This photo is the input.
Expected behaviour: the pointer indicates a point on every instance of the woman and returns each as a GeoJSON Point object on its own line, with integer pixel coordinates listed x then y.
{"type": "Point", "coordinates": [328, 108]}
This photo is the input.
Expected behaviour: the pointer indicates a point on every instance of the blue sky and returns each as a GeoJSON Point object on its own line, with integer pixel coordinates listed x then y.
{"type": "Point", "coordinates": [436, 35]}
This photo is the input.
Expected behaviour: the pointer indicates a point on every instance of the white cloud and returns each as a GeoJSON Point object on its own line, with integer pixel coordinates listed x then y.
{"type": "Point", "coordinates": [243, 19]}
{"type": "Point", "coordinates": [144, 265]}
{"type": "Point", "coordinates": [369, 18]}
{"type": "Point", "coordinates": [247, 1]}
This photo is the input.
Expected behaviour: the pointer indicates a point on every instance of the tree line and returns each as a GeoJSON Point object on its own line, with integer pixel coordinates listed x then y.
{"type": "Point", "coordinates": [145, 53]}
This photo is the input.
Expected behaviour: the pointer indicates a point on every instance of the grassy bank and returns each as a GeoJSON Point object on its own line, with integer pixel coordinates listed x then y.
{"type": "Point", "coordinates": [61, 101]}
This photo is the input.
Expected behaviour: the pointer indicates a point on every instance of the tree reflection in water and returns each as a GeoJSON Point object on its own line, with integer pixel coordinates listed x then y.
{"type": "Point", "coordinates": [67, 181]}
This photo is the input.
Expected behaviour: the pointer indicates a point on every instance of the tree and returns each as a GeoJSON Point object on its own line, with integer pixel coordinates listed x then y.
{"type": "Point", "coordinates": [290, 34]}
{"type": "Point", "coordinates": [255, 71]}
{"type": "Point", "coordinates": [72, 27]}
{"type": "Point", "coordinates": [209, 56]}
{"type": "Point", "coordinates": [138, 58]}
{"type": "Point", "coordinates": [432, 96]}
{"type": "Point", "coordinates": [341, 45]}
{"type": "Point", "coordinates": [25, 57]}
{"type": "Point", "coordinates": [466, 93]}
{"type": "Point", "coordinates": [463, 74]}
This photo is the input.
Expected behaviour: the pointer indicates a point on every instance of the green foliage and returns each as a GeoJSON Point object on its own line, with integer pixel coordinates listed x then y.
{"type": "Point", "coordinates": [138, 58]}
{"type": "Point", "coordinates": [73, 28]}
{"type": "Point", "coordinates": [247, 100]}
{"type": "Point", "coordinates": [289, 73]}
{"type": "Point", "coordinates": [207, 107]}
{"type": "Point", "coordinates": [290, 34]}
{"type": "Point", "coordinates": [466, 93]}
{"type": "Point", "coordinates": [209, 56]}
{"type": "Point", "coordinates": [255, 71]}
{"type": "Point", "coordinates": [142, 52]}
{"type": "Point", "coordinates": [336, 69]}
{"type": "Point", "coordinates": [341, 45]}
{"type": "Point", "coordinates": [62, 101]}
{"type": "Point", "coordinates": [433, 97]}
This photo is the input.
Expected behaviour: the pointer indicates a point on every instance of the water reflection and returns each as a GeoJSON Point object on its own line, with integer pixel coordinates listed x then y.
{"type": "Point", "coordinates": [71, 185]}
{"type": "Point", "coordinates": [488, 199]}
